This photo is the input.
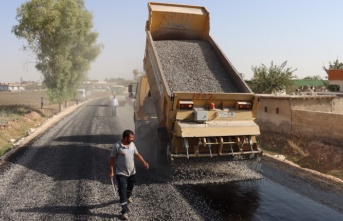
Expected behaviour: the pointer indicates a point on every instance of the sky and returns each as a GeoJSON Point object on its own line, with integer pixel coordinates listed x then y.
{"type": "Point", "coordinates": [307, 34]}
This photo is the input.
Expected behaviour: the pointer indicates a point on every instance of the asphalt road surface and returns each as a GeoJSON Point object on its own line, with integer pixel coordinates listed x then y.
{"type": "Point", "coordinates": [63, 175]}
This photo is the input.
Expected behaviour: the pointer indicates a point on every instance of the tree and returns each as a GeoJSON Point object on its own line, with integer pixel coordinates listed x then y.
{"type": "Point", "coordinates": [275, 78]}
{"type": "Point", "coordinates": [334, 65]}
{"type": "Point", "coordinates": [120, 81]}
{"type": "Point", "coordinates": [59, 33]}
{"type": "Point", "coordinates": [135, 74]}
{"type": "Point", "coordinates": [315, 77]}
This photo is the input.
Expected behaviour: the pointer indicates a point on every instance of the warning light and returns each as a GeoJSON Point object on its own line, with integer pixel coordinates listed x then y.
{"type": "Point", "coordinates": [243, 105]}
{"type": "Point", "coordinates": [186, 105]}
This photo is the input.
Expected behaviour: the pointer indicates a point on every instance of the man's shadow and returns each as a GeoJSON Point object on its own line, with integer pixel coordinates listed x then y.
{"type": "Point", "coordinates": [81, 210]}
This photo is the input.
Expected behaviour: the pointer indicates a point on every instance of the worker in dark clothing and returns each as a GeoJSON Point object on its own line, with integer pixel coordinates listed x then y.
{"type": "Point", "coordinates": [41, 102]}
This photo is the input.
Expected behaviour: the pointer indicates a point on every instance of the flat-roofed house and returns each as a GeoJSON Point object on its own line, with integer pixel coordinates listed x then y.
{"type": "Point", "coordinates": [11, 87]}
{"type": "Point", "coordinates": [335, 77]}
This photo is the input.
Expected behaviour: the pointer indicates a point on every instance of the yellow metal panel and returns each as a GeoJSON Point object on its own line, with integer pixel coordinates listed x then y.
{"type": "Point", "coordinates": [213, 96]}
{"type": "Point", "coordinates": [171, 21]}
{"type": "Point", "coordinates": [216, 128]}
{"type": "Point", "coordinates": [215, 115]}
{"type": "Point", "coordinates": [183, 115]}
{"type": "Point", "coordinates": [161, 7]}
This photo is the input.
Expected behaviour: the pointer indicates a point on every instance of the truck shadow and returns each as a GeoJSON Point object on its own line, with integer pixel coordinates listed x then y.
{"type": "Point", "coordinates": [73, 158]}
{"type": "Point", "coordinates": [95, 139]}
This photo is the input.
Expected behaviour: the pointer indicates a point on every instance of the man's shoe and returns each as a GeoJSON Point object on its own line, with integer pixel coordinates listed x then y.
{"type": "Point", "coordinates": [124, 216]}
{"type": "Point", "coordinates": [129, 200]}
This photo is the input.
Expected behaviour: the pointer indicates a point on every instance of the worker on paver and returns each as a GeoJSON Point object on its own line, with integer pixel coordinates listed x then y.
{"type": "Point", "coordinates": [122, 165]}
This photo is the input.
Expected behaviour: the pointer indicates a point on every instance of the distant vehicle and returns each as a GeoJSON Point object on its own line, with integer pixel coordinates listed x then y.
{"type": "Point", "coordinates": [132, 89]}
{"type": "Point", "coordinates": [117, 89]}
{"type": "Point", "coordinates": [81, 94]}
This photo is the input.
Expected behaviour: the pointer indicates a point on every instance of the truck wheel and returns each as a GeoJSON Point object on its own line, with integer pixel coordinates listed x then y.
{"type": "Point", "coordinates": [169, 156]}
{"type": "Point", "coordinates": [164, 154]}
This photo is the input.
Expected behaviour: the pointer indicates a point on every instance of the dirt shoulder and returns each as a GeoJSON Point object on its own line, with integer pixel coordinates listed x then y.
{"type": "Point", "coordinates": [35, 132]}
{"type": "Point", "coordinates": [306, 154]}
{"type": "Point", "coordinates": [306, 174]}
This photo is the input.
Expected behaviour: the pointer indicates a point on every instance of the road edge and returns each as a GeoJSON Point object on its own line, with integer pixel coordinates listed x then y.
{"type": "Point", "coordinates": [46, 125]}
{"type": "Point", "coordinates": [282, 159]}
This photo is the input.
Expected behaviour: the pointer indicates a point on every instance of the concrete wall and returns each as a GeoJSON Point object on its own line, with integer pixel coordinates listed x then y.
{"type": "Point", "coordinates": [319, 116]}
{"type": "Point", "coordinates": [315, 103]}
{"type": "Point", "coordinates": [268, 119]}
{"type": "Point", "coordinates": [338, 105]}
{"type": "Point", "coordinates": [317, 124]}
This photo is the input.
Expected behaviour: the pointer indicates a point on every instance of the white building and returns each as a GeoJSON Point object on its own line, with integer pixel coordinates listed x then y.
{"type": "Point", "coordinates": [11, 87]}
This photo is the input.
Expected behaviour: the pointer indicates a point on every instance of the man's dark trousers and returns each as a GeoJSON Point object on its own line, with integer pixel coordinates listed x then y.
{"type": "Point", "coordinates": [125, 187]}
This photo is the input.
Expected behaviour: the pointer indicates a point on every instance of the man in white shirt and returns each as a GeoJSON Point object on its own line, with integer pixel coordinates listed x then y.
{"type": "Point", "coordinates": [115, 104]}
{"type": "Point", "coordinates": [122, 166]}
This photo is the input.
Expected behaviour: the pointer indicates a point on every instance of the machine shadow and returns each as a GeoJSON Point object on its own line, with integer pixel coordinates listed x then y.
{"type": "Point", "coordinates": [76, 158]}
{"type": "Point", "coordinates": [91, 139]}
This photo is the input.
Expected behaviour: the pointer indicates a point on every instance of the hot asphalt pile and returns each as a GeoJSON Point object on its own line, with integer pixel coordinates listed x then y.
{"type": "Point", "coordinates": [192, 66]}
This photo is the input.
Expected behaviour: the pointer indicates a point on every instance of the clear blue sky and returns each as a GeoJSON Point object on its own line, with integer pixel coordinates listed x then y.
{"type": "Point", "coordinates": [308, 34]}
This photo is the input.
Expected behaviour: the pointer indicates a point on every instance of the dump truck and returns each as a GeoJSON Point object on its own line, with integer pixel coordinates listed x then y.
{"type": "Point", "coordinates": [192, 102]}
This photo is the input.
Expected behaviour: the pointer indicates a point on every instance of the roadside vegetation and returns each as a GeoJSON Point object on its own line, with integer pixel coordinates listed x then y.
{"type": "Point", "coordinates": [21, 111]}
{"type": "Point", "coordinates": [16, 121]}
{"type": "Point", "coordinates": [315, 154]}
{"type": "Point", "coordinates": [64, 52]}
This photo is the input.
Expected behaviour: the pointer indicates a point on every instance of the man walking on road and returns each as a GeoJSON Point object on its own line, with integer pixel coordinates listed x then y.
{"type": "Point", "coordinates": [41, 102]}
{"type": "Point", "coordinates": [115, 104]}
{"type": "Point", "coordinates": [122, 165]}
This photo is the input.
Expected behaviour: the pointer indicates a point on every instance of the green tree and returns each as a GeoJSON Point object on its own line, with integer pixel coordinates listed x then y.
{"type": "Point", "coordinates": [120, 81]}
{"type": "Point", "coordinates": [275, 78]}
{"type": "Point", "coordinates": [334, 65]}
{"type": "Point", "coordinates": [135, 74]}
{"type": "Point", "coordinates": [315, 77]}
{"type": "Point", "coordinates": [33, 86]}
{"type": "Point", "coordinates": [59, 33]}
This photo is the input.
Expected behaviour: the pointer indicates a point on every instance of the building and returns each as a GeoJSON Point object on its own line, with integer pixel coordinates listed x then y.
{"type": "Point", "coordinates": [11, 87]}
{"type": "Point", "coordinates": [311, 116]}
{"type": "Point", "coordinates": [335, 77]}
{"type": "Point", "coordinates": [308, 84]}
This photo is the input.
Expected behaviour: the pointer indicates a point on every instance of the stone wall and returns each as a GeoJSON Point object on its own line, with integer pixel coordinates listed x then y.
{"type": "Point", "coordinates": [318, 116]}
{"type": "Point", "coordinates": [338, 105]}
{"type": "Point", "coordinates": [317, 124]}
{"type": "Point", "coordinates": [315, 103]}
{"type": "Point", "coordinates": [270, 120]}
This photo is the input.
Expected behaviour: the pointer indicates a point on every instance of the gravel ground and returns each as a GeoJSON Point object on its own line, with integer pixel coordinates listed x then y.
{"type": "Point", "coordinates": [192, 66]}
{"type": "Point", "coordinates": [63, 175]}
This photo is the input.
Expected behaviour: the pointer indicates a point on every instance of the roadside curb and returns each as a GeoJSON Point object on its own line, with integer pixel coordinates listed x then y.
{"type": "Point", "coordinates": [46, 125]}
{"type": "Point", "coordinates": [290, 163]}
